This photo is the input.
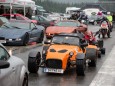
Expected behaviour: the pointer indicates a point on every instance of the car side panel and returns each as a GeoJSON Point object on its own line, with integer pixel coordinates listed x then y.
{"type": "Point", "coordinates": [8, 75]}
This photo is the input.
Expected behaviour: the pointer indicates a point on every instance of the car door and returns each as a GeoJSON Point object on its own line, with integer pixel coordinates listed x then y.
{"type": "Point", "coordinates": [7, 75]}
{"type": "Point", "coordinates": [35, 33]}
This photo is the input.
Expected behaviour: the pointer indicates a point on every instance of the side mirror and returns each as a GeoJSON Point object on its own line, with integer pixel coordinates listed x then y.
{"type": "Point", "coordinates": [4, 64]}
{"type": "Point", "coordinates": [47, 41]}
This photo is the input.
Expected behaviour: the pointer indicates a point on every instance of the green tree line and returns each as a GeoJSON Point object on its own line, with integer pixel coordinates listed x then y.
{"type": "Point", "coordinates": [60, 7]}
{"type": "Point", "coordinates": [54, 6]}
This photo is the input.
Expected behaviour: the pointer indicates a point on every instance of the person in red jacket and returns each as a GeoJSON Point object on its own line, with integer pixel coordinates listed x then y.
{"type": "Point", "coordinates": [89, 37]}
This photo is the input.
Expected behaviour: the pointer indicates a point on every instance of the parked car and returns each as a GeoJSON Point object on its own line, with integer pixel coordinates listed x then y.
{"type": "Point", "coordinates": [18, 18]}
{"type": "Point", "coordinates": [64, 26]}
{"type": "Point", "coordinates": [41, 20]}
{"type": "Point", "coordinates": [12, 69]}
{"type": "Point", "coordinates": [20, 33]}
{"type": "Point", "coordinates": [63, 52]}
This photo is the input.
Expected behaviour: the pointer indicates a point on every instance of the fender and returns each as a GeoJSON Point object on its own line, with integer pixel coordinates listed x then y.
{"type": "Point", "coordinates": [80, 56]}
{"type": "Point", "coordinates": [34, 54]}
{"type": "Point", "coordinates": [22, 73]}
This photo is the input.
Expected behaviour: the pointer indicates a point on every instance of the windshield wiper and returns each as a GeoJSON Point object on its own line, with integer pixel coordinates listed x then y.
{"type": "Point", "coordinates": [17, 27]}
{"type": "Point", "coordinates": [6, 26]}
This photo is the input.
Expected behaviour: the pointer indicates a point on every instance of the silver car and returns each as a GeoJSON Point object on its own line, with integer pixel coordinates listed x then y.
{"type": "Point", "coordinates": [12, 69]}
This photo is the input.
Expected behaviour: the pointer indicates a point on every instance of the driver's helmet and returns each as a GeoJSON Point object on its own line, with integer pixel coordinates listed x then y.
{"type": "Point", "coordinates": [108, 13]}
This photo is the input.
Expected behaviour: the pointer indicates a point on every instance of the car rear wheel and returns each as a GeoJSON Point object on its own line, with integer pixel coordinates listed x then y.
{"type": "Point", "coordinates": [92, 63]}
{"type": "Point", "coordinates": [91, 54]}
{"type": "Point", "coordinates": [25, 81]}
{"type": "Point", "coordinates": [33, 62]}
{"type": "Point", "coordinates": [99, 54]}
{"type": "Point", "coordinates": [103, 50]}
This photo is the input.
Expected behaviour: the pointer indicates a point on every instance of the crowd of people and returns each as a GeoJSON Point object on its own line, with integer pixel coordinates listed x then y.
{"type": "Point", "coordinates": [4, 10]}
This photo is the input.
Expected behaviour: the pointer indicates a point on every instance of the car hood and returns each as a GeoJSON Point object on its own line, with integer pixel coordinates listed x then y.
{"type": "Point", "coordinates": [61, 51]}
{"type": "Point", "coordinates": [58, 29]}
{"type": "Point", "coordinates": [12, 33]}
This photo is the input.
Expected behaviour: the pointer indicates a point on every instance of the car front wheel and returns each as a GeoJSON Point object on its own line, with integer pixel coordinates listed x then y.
{"type": "Point", "coordinates": [25, 81]}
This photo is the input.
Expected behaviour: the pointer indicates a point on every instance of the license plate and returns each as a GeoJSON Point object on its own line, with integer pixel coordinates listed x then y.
{"type": "Point", "coordinates": [2, 41]}
{"type": "Point", "coordinates": [51, 70]}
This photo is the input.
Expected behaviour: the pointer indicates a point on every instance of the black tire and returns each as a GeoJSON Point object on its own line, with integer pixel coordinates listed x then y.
{"type": "Point", "coordinates": [103, 50]}
{"type": "Point", "coordinates": [25, 81]}
{"type": "Point", "coordinates": [92, 63]}
{"type": "Point", "coordinates": [108, 34]}
{"type": "Point", "coordinates": [80, 67]}
{"type": "Point", "coordinates": [80, 64]}
{"type": "Point", "coordinates": [33, 63]}
{"type": "Point", "coordinates": [25, 40]}
{"type": "Point", "coordinates": [103, 35]}
{"type": "Point", "coordinates": [91, 53]}
{"type": "Point", "coordinates": [40, 40]}
{"type": "Point", "coordinates": [100, 43]}
{"type": "Point", "coordinates": [99, 54]}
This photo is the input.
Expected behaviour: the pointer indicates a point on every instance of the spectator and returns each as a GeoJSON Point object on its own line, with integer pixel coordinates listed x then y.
{"type": "Point", "coordinates": [28, 14]}
{"type": "Point", "coordinates": [1, 9]}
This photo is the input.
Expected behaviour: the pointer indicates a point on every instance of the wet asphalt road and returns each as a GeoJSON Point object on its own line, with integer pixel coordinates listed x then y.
{"type": "Point", "coordinates": [69, 78]}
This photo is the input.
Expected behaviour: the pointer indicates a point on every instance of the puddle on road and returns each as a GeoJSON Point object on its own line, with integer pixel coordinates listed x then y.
{"type": "Point", "coordinates": [19, 49]}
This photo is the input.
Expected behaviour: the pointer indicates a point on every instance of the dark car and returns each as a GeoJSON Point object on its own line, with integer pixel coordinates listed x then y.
{"type": "Point", "coordinates": [20, 33]}
{"type": "Point", "coordinates": [41, 20]}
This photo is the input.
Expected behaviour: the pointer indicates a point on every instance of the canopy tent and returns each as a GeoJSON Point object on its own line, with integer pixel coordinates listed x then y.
{"type": "Point", "coordinates": [27, 3]}
{"type": "Point", "coordinates": [18, 3]}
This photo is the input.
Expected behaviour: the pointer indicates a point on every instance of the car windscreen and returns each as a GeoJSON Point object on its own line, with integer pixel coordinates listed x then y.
{"type": "Point", "coordinates": [69, 40]}
{"type": "Point", "coordinates": [67, 23]}
{"type": "Point", "coordinates": [22, 25]}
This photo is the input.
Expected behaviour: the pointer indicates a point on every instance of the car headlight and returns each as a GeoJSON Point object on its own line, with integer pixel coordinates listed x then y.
{"type": "Point", "coordinates": [43, 52]}
{"type": "Point", "coordinates": [18, 39]}
{"type": "Point", "coordinates": [10, 39]}
{"type": "Point", "coordinates": [71, 53]}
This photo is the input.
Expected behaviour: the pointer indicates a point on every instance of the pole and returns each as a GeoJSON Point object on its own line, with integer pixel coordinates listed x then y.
{"type": "Point", "coordinates": [10, 9]}
{"type": "Point", "coordinates": [24, 9]}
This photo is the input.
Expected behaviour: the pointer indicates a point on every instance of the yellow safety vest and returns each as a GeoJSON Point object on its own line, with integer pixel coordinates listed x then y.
{"type": "Point", "coordinates": [110, 18]}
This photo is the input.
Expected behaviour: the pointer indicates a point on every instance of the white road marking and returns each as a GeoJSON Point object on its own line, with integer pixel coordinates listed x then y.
{"type": "Point", "coordinates": [106, 74]}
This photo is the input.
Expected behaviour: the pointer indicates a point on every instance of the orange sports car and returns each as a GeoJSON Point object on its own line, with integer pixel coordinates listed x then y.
{"type": "Point", "coordinates": [65, 51]}
{"type": "Point", "coordinates": [64, 26]}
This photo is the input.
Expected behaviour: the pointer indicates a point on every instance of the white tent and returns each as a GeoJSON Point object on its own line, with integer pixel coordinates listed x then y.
{"type": "Point", "coordinates": [18, 3]}
{"type": "Point", "coordinates": [27, 3]}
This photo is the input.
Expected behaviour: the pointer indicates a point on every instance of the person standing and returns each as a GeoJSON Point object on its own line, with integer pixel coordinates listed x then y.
{"type": "Point", "coordinates": [28, 14]}
{"type": "Point", "coordinates": [110, 19]}
{"type": "Point", "coordinates": [1, 9]}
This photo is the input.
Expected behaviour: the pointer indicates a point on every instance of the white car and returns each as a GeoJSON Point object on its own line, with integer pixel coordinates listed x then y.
{"type": "Point", "coordinates": [12, 69]}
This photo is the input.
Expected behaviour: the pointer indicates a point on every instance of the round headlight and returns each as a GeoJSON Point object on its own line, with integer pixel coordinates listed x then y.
{"type": "Point", "coordinates": [71, 53]}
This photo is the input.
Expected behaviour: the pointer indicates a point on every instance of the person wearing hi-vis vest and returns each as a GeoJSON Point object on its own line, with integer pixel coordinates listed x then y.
{"type": "Point", "coordinates": [110, 19]}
